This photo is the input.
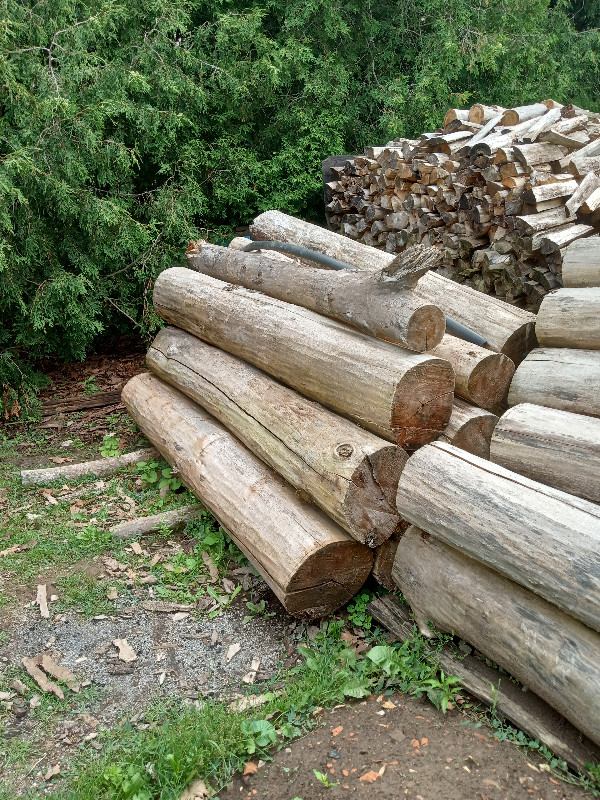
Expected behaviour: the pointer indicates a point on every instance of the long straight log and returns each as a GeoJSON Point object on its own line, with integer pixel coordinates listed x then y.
{"type": "Point", "coordinates": [581, 263]}
{"type": "Point", "coordinates": [380, 304]}
{"type": "Point", "coordinates": [347, 471]}
{"type": "Point", "coordinates": [403, 396]}
{"type": "Point", "coordinates": [172, 520]}
{"type": "Point", "coordinates": [540, 537]}
{"type": "Point", "coordinates": [309, 562]}
{"type": "Point", "coordinates": [551, 653]}
{"type": "Point", "coordinates": [559, 378]}
{"type": "Point", "coordinates": [470, 428]}
{"type": "Point", "coordinates": [555, 447]}
{"type": "Point", "coordinates": [570, 318]}
{"type": "Point", "coordinates": [72, 472]}
{"type": "Point", "coordinates": [508, 329]}
{"type": "Point", "coordinates": [483, 377]}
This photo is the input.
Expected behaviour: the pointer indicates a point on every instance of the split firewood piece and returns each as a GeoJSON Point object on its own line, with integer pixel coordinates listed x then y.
{"type": "Point", "coordinates": [309, 562]}
{"type": "Point", "coordinates": [555, 447]}
{"type": "Point", "coordinates": [71, 472]}
{"type": "Point", "coordinates": [570, 318]}
{"type": "Point", "coordinates": [508, 329]}
{"type": "Point", "coordinates": [581, 165]}
{"type": "Point", "coordinates": [560, 657]}
{"type": "Point", "coordinates": [379, 304]}
{"type": "Point", "coordinates": [588, 186]}
{"type": "Point", "coordinates": [542, 377]}
{"type": "Point", "coordinates": [482, 376]}
{"type": "Point", "coordinates": [534, 223]}
{"type": "Point", "coordinates": [172, 521]}
{"type": "Point", "coordinates": [542, 124]}
{"type": "Point", "coordinates": [581, 262]}
{"type": "Point", "coordinates": [42, 600]}
{"type": "Point", "coordinates": [554, 240]}
{"type": "Point", "coordinates": [60, 673]}
{"type": "Point", "coordinates": [126, 651]}
{"type": "Point", "coordinates": [549, 191]}
{"type": "Point", "coordinates": [403, 396]}
{"type": "Point", "coordinates": [470, 428]}
{"type": "Point", "coordinates": [349, 472]}
{"type": "Point", "coordinates": [538, 536]}
{"type": "Point", "coordinates": [540, 153]}
{"type": "Point", "coordinates": [40, 678]}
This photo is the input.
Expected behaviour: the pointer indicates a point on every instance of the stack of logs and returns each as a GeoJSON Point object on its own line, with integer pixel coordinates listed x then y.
{"type": "Point", "coordinates": [500, 191]}
{"type": "Point", "coordinates": [302, 406]}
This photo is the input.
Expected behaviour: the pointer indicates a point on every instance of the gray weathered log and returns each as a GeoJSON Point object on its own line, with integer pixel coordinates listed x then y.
{"type": "Point", "coordinates": [347, 471]}
{"type": "Point", "coordinates": [72, 472]}
{"type": "Point", "coordinates": [581, 263]}
{"type": "Point", "coordinates": [555, 447]}
{"type": "Point", "coordinates": [514, 116]}
{"type": "Point", "coordinates": [403, 396]}
{"type": "Point", "coordinates": [310, 563]}
{"type": "Point", "coordinates": [380, 304]}
{"type": "Point", "coordinates": [570, 318]}
{"type": "Point", "coordinates": [551, 653]}
{"type": "Point", "coordinates": [173, 520]}
{"type": "Point", "coordinates": [470, 428]}
{"type": "Point", "coordinates": [540, 537]}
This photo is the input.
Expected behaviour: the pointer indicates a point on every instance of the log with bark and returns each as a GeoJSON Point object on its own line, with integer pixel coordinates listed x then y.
{"type": "Point", "coordinates": [551, 653]}
{"type": "Point", "coordinates": [309, 562]}
{"type": "Point", "coordinates": [508, 330]}
{"type": "Point", "coordinates": [559, 378]}
{"type": "Point", "coordinates": [540, 537]}
{"type": "Point", "coordinates": [347, 471]}
{"type": "Point", "coordinates": [555, 447]}
{"type": "Point", "coordinates": [470, 428]}
{"type": "Point", "coordinates": [581, 263]}
{"type": "Point", "coordinates": [72, 472]}
{"type": "Point", "coordinates": [403, 396]}
{"type": "Point", "coordinates": [481, 376]}
{"type": "Point", "coordinates": [380, 304]}
{"type": "Point", "coordinates": [173, 521]}
{"type": "Point", "coordinates": [570, 318]}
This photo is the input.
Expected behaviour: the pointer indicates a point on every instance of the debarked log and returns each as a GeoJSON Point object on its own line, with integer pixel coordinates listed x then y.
{"type": "Point", "coordinates": [347, 471]}
{"type": "Point", "coordinates": [540, 537]}
{"type": "Point", "coordinates": [570, 318]}
{"type": "Point", "coordinates": [470, 428]}
{"type": "Point", "coordinates": [551, 653]}
{"type": "Point", "coordinates": [380, 304]}
{"type": "Point", "coordinates": [403, 396]}
{"type": "Point", "coordinates": [309, 562]}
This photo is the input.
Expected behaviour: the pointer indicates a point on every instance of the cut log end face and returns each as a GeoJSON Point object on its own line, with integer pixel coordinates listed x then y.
{"type": "Point", "coordinates": [423, 404]}
{"type": "Point", "coordinates": [426, 328]}
{"type": "Point", "coordinates": [474, 437]}
{"type": "Point", "coordinates": [490, 380]}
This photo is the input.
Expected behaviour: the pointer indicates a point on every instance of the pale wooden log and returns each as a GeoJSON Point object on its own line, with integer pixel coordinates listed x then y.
{"type": "Point", "coordinates": [551, 653]}
{"type": "Point", "coordinates": [591, 203]}
{"type": "Point", "coordinates": [534, 223]}
{"type": "Point", "coordinates": [555, 447]}
{"type": "Point", "coordinates": [580, 166]}
{"type": "Point", "coordinates": [377, 303]}
{"type": "Point", "coordinates": [542, 124]}
{"type": "Point", "coordinates": [309, 562]}
{"type": "Point", "coordinates": [588, 185]}
{"type": "Point", "coordinates": [526, 710]}
{"type": "Point", "coordinates": [542, 153]}
{"type": "Point", "coordinates": [347, 471]}
{"type": "Point", "coordinates": [570, 318]}
{"type": "Point", "coordinates": [573, 142]}
{"type": "Point", "coordinates": [540, 537]}
{"type": "Point", "coordinates": [549, 191]}
{"type": "Point", "coordinates": [173, 520]}
{"type": "Point", "coordinates": [581, 263]}
{"type": "Point", "coordinates": [383, 559]}
{"type": "Point", "coordinates": [470, 428]}
{"type": "Point", "coordinates": [482, 114]}
{"type": "Point", "coordinates": [403, 396]}
{"type": "Point", "coordinates": [590, 150]}
{"type": "Point", "coordinates": [481, 376]}
{"type": "Point", "coordinates": [513, 116]}
{"type": "Point", "coordinates": [556, 239]}
{"type": "Point", "coordinates": [72, 472]}
{"type": "Point", "coordinates": [455, 113]}
{"type": "Point", "coordinates": [559, 378]}
{"type": "Point", "coordinates": [508, 329]}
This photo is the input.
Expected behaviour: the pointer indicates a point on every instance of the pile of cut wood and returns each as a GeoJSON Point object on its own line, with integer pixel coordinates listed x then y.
{"type": "Point", "coordinates": [500, 191]}
{"type": "Point", "coordinates": [302, 406]}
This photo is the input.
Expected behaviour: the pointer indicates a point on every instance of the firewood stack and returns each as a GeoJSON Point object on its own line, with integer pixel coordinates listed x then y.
{"type": "Point", "coordinates": [500, 191]}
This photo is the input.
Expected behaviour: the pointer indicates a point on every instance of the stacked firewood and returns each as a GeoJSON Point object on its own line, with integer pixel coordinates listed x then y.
{"type": "Point", "coordinates": [500, 191]}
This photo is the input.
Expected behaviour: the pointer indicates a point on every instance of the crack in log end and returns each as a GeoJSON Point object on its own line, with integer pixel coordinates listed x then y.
{"type": "Point", "coordinates": [348, 560]}
{"type": "Point", "coordinates": [425, 329]}
{"type": "Point", "coordinates": [316, 602]}
{"type": "Point", "coordinates": [422, 404]}
{"type": "Point", "coordinates": [490, 381]}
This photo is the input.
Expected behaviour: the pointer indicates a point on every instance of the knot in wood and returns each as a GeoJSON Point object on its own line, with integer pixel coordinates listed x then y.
{"type": "Point", "coordinates": [344, 450]}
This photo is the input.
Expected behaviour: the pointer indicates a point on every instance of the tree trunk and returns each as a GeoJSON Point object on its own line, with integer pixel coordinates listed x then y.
{"type": "Point", "coordinates": [581, 263]}
{"type": "Point", "coordinates": [72, 472]}
{"type": "Point", "coordinates": [379, 304]}
{"type": "Point", "coordinates": [559, 378]}
{"type": "Point", "coordinates": [551, 653]}
{"type": "Point", "coordinates": [570, 318]}
{"type": "Point", "coordinates": [404, 397]}
{"type": "Point", "coordinates": [546, 540]}
{"type": "Point", "coordinates": [347, 471]}
{"type": "Point", "coordinates": [470, 428]}
{"type": "Point", "coordinates": [483, 377]}
{"type": "Point", "coordinates": [508, 330]}
{"type": "Point", "coordinates": [555, 447]}
{"type": "Point", "coordinates": [310, 563]}
{"type": "Point", "coordinates": [172, 520]}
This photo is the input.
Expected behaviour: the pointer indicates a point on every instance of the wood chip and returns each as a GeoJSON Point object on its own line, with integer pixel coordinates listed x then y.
{"type": "Point", "coordinates": [370, 777]}
{"type": "Point", "coordinates": [126, 651]}
{"type": "Point", "coordinates": [60, 673]}
{"type": "Point", "coordinates": [228, 585]}
{"type": "Point", "coordinates": [137, 548]}
{"type": "Point", "coordinates": [40, 678]}
{"type": "Point", "coordinates": [250, 676]}
{"type": "Point", "coordinates": [197, 791]}
{"type": "Point", "coordinates": [232, 651]}
{"type": "Point", "coordinates": [42, 601]}
{"type": "Point", "coordinates": [52, 772]}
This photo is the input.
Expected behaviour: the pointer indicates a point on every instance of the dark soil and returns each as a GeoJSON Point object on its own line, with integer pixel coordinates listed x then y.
{"type": "Point", "coordinates": [410, 751]}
